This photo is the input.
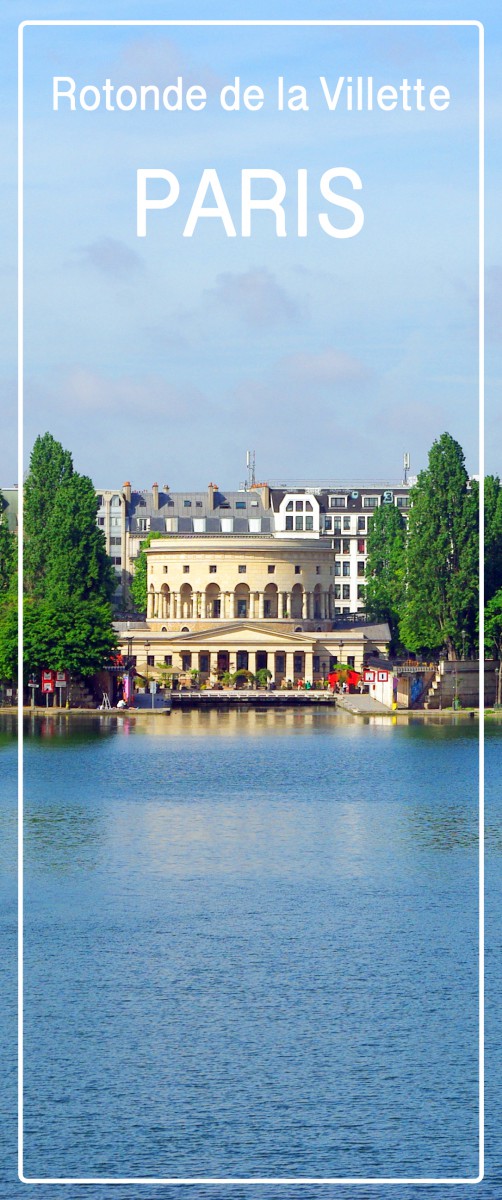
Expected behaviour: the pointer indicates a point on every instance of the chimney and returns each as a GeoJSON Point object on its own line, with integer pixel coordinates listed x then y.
{"type": "Point", "coordinates": [126, 488]}
{"type": "Point", "coordinates": [212, 490]}
{"type": "Point", "coordinates": [155, 497]}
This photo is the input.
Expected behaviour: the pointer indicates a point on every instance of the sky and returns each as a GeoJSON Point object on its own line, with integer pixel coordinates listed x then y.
{"type": "Point", "coordinates": [165, 358]}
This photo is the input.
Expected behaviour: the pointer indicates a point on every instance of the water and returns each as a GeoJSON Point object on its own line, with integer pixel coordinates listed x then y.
{"type": "Point", "coordinates": [251, 949]}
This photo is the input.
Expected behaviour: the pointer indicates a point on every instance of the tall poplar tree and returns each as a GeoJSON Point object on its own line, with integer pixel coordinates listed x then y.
{"type": "Point", "coordinates": [385, 567]}
{"type": "Point", "coordinates": [493, 536]}
{"type": "Point", "coordinates": [8, 599]}
{"type": "Point", "coordinates": [50, 466]}
{"type": "Point", "coordinates": [69, 578]}
{"type": "Point", "coordinates": [441, 598]}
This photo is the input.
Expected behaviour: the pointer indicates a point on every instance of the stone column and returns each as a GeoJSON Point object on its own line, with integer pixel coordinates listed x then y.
{"type": "Point", "coordinates": [305, 603]}
{"type": "Point", "coordinates": [204, 606]}
{"type": "Point", "coordinates": [289, 665]}
{"type": "Point", "coordinates": [261, 605]}
{"type": "Point", "coordinates": [289, 603]}
{"type": "Point", "coordinates": [309, 666]}
{"type": "Point", "coordinates": [213, 661]}
{"type": "Point", "coordinates": [149, 607]}
{"type": "Point", "coordinates": [198, 602]}
{"type": "Point", "coordinates": [225, 605]}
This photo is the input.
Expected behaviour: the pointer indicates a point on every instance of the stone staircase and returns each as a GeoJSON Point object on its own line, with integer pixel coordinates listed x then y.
{"type": "Point", "coordinates": [80, 695]}
{"type": "Point", "coordinates": [459, 681]}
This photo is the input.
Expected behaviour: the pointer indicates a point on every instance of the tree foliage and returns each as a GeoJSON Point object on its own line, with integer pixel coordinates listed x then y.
{"type": "Point", "coordinates": [139, 584]}
{"type": "Point", "coordinates": [50, 467]}
{"type": "Point", "coordinates": [69, 579]}
{"type": "Point", "coordinates": [493, 536]}
{"type": "Point", "coordinates": [442, 555]}
{"type": "Point", "coordinates": [385, 566]}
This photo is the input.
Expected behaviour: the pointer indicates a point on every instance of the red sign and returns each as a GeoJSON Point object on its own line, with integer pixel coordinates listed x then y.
{"type": "Point", "coordinates": [369, 676]}
{"type": "Point", "coordinates": [48, 681]}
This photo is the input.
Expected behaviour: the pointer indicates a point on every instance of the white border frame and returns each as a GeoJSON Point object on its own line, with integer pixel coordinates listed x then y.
{"type": "Point", "coordinates": [153, 1181]}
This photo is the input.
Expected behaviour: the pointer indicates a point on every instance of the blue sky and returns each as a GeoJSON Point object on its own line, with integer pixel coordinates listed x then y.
{"type": "Point", "coordinates": [165, 358]}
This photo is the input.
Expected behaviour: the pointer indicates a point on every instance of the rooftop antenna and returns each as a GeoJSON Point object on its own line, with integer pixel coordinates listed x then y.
{"type": "Point", "coordinates": [250, 464]}
{"type": "Point", "coordinates": [406, 467]}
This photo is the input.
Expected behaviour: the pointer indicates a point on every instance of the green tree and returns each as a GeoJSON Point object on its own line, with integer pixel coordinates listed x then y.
{"type": "Point", "coordinates": [8, 551]}
{"type": "Point", "coordinates": [50, 466]}
{"type": "Point", "coordinates": [442, 555]}
{"type": "Point", "coordinates": [493, 536]}
{"type": "Point", "coordinates": [70, 634]}
{"type": "Point", "coordinates": [385, 567]}
{"type": "Point", "coordinates": [139, 584]}
{"type": "Point", "coordinates": [8, 632]}
{"type": "Point", "coordinates": [69, 579]}
{"type": "Point", "coordinates": [77, 565]}
{"type": "Point", "coordinates": [493, 635]}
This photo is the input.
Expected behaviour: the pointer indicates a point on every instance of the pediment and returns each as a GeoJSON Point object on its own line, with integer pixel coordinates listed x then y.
{"type": "Point", "coordinates": [236, 633]}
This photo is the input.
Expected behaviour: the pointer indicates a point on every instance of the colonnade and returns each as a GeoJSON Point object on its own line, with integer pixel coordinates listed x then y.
{"type": "Point", "coordinates": [213, 604]}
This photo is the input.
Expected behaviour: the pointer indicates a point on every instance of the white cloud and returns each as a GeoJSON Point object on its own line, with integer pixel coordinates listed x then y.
{"type": "Point", "coordinates": [256, 297]}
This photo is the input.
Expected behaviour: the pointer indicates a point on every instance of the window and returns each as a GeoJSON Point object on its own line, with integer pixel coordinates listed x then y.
{"type": "Point", "coordinates": [186, 569]}
{"type": "Point", "coordinates": [337, 545]}
{"type": "Point", "coordinates": [241, 569]}
{"type": "Point", "coordinates": [224, 504]}
{"type": "Point", "coordinates": [280, 662]}
{"type": "Point", "coordinates": [361, 524]}
{"type": "Point", "coordinates": [186, 662]}
{"type": "Point", "coordinates": [297, 663]}
{"type": "Point", "coordinates": [143, 523]}
{"type": "Point", "coordinates": [204, 663]}
{"type": "Point", "coordinates": [198, 503]}
{"type": "Point", "coordinates": [289, 522]}
{"type": "Point", "coordinates": [346, 569]}
{"type": "Point", "coordinates": [337, 501]}
{"type": "Point", "coordinates": [187, 504]}
{"type": "Point", "coordinates": [254, 504]}
{"type": "Point", "coordinates": [346, 545]}
{"type": "Point", "coordinates": [318, 570]}
{"type": "Point", "coordinates": [351, 662]}
{"type": "Point", "coordinates": [345, 611]}
{"type": "Point", "coordinates": [337, 524]}
{"type": "Point", "coordinates": [212, 569]}
{"type": "Point", "coordinates": [346, 522]}
{"type": "Point", "coordinates": [346, 591]}
{"type": "Point", "coordinates": [361, 546]}
{"type": "Point", "coordinates": [360, 569]}
{"type": "Point", "coordinates": [101, 520]}
{"type": "Point", "coordinates": [338, 569]}
{"type": "Point", "coordinates": [360, 592]}
{"type": "Point", "coordinates": [240, 503]}
{"type": "Point", "coordinates": [337, 610]}
{"type": "Point", "coordinates": [242, 608]}
{"type": "Point", "coordinates": [271, 569]}
{"type": "Point", "coordinates": [117, 561]}
{"type": "Point", "coordinates": [289, 506]}
{"type": "Point", "coordinates": [333, 661]}
{"type": "Point", "coordinates": [316, 663]}
{"type": "Point", "coordinates": [370, 501]}
{"type": "Point", "coordinates": [298, 570]}
{"type": "Point", "coordinates": [308, 506]}
{"type": "Point", "coordinates": [328, 523]}
{"type": "Point", "coordinates": [168, 660]}
{"type": "Point", "coordinates": [216, 608]}
{"type": "Point", "coordinates": [150, 658]}
{"type": "Point", "coordinates": [298, 505]}
{"type": "Point", "coordinates": [255, 524]}
{"type": "Point", "coordinates": [100, 501]}
{"type": "Point", "coordinates": [115, 501]}
{"type": "Point", "coordinates": [337, 592]}
{"type": "Point", "coordinates": [115, 541]}
{"type": "Point", "coordinates": [267, 608]}
{"type": "Point", "coordinates": [299, 523]}
{"type": "Point", "coordinates": [164, 569]}
{"type": "Point", "coordinates": [116, 522]}
{"type": "Point", "coordinates": [309, 522]}
{"type": "Point", "coordinates": [403, 501]}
